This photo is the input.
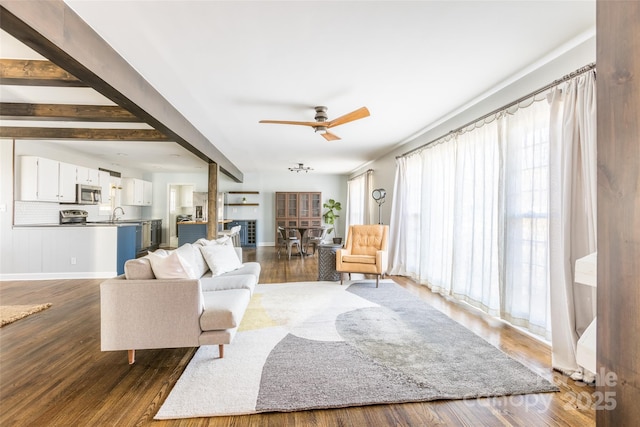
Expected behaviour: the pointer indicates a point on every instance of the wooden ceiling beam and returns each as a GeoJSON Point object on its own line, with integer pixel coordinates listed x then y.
{"type": "Point", "coordinates": [67, 112]}
{"type": "Point", "coordinates": [80, 133]}
{"type": "Point", "coordinates": [30, 72]}
{"type": "Point", "coordinates": [56, 32]}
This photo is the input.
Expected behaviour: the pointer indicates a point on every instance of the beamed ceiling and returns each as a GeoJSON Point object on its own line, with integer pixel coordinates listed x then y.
{"type": "Point", "coordinates": [173, 84]}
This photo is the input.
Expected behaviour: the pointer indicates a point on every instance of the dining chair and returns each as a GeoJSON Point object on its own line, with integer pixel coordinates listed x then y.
{"type": "Point", "coordinates": [289, 239]}
{"type": "Point", "coordinates": [313, 237]}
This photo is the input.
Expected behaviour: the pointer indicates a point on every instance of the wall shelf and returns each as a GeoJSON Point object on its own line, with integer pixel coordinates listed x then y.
{"type": "Point", "coordinates": [242, 204]}
{"type": "Point", "coordinates": [243, 192]}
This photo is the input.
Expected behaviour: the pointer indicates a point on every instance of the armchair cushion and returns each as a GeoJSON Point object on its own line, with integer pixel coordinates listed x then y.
{"type": "Point", "coordinates": [360, 259]}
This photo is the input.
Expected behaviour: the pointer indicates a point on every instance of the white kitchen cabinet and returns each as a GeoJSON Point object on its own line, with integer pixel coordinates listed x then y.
{"type": "Point", "coordinates": [105, 185]}
{"type": "Point", "coordinates": [87, 176]}
{"type": "Point", "coordinates": [147, 193]}
{"type": "Point", "coordinates": [136, 192]}
{"type": "Point", "coordinates": [46, 180]}
{"type": "Point", "coordinates": [186, 196]}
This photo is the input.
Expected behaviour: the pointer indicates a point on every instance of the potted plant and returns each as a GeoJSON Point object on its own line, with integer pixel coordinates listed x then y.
{"type": "Point", "coordinates": [331, 217]}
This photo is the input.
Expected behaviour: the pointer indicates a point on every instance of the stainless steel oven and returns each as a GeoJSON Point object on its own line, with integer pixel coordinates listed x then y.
{"type": "Point", "coordinates": [88, 194]}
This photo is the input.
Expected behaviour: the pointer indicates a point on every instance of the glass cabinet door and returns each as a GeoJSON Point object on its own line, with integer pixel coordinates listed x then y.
{"type": "Point", "coordinates": [316, 205]}
{"type": "Point", "coordinates": [281, 205]}
{"type": "Point", "coordinates": [305, 204]}
{"type": "Point", "coordinates": [292, 205]}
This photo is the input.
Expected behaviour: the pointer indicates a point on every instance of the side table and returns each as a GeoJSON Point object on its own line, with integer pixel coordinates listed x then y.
{"type": "Point", "coordinates": [327, 262]}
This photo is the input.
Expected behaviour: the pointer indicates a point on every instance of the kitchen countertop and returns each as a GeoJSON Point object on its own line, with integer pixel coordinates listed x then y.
{"type": "Point", "coordinates": [103, 223]}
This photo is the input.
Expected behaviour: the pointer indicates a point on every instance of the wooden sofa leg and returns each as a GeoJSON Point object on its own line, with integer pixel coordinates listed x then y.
{"type": "Point", "coordinates": [132, 356]}
{"type": "Point", "coordinates": [221, 350]}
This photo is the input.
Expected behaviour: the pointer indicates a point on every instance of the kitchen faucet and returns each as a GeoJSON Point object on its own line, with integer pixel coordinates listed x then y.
{"type": "Point", "coordinates": [113, 216]}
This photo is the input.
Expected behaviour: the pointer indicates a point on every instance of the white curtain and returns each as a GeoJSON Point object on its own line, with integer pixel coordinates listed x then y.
{"type": "Point", "coordinates": [359, 203]}
{"type": "Point", "coordinates": [573, 213]}
{"type": "Point", "coordinates": [525, 210]}
{"type": "Point", "coordinates": [497, 215]}
{"type": "Point", "coordinates": [470, 218]}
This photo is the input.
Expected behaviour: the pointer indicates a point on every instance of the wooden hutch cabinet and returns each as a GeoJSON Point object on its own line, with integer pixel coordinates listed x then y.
{"type": "Point", "coordinates": [298, 209]}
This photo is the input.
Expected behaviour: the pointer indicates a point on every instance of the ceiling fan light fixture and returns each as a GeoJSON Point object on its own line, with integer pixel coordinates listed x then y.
{"type": "Point", "coordinates": [301, 167]}
{"type": "Point", "coordinates": [321, 129]}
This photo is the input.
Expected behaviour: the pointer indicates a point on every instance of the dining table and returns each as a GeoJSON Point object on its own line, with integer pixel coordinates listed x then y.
{"type": "Point", "coordinates": [303, 230]}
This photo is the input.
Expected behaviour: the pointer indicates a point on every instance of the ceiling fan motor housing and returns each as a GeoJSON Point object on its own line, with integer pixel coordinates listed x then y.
{"type": "Point", "coordinates": [321, 114]}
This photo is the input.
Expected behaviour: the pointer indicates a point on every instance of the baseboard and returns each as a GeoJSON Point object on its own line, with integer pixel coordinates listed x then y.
{"type": "Point", "coordinates": [58, 276]}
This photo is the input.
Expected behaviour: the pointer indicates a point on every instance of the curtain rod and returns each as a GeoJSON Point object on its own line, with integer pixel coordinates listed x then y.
{"type": "Point", "coordinates": [360, 174]}
{"type": "Point", "coordinates": [569, 76]}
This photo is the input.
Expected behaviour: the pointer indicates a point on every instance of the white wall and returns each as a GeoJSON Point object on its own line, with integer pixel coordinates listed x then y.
{"type": "Point", "coordinates": [331, 186]}
{"type": "Point", "coordinates": [583, 53]}
{"type": "Point", "coordinates": [267, 184]}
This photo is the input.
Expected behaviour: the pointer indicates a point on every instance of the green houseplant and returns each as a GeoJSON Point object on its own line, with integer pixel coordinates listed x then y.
{"type": "Point", "coordinates": [331, 218]}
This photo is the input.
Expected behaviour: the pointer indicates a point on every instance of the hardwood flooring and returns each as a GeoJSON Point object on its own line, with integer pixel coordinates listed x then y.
{"type": "Point", "coordinates": [52, 372]}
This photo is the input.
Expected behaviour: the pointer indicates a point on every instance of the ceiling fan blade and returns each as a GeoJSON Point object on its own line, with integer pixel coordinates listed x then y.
{"type": "Point", "coordinates": [286, 122]}
{"type": "Point", "coordinates": [330, 136]}
{"type": "Point", "coordinates": [360, 113]}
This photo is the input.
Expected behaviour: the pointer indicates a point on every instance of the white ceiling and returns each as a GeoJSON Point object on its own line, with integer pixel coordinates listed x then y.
{"type": "Point", "coordinates": [225, 65]}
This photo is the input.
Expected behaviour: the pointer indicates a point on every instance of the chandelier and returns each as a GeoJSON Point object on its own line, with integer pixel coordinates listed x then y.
{"type": "Point", "coordinates": [301, 167]}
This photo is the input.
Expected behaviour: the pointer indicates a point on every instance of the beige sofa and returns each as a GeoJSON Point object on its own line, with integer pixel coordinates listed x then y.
{"type": "Point", "coordinates": [142, 311]}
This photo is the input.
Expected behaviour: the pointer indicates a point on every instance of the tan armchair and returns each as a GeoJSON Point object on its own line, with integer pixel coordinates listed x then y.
{"type": "Point", "coordinates": [365, 251]}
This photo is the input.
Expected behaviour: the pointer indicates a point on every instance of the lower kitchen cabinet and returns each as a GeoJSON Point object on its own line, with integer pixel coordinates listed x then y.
{"type": "Point", "coordinates": [128, 243]}
{"type": "Point", "coordinates": [190, 232]}
{"type": "Point", "coordinates": [156, 234]}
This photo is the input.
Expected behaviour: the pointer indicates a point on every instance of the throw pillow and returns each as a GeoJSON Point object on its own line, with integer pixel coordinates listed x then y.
{"type": "Point", "coordinates": [220, 258]}
{"type": "Point", "coordinates": [225, 240]}
{"type": "Point", "coordinates": [191, 255]}
{"type": "Point", "coordinates": [170, 266]}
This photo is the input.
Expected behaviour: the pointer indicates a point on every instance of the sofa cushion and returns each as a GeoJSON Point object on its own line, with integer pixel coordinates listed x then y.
{"type": "Point", "coordinates": [244, 281]}
{"type": "Point", "coordinates": [220, 258]}
{"type": "Point", "coordinates": [252, 268]}
{"type": "Point", "coordinates": [223, 309]}
{"type": "Point", "coordinates": [138, 269]}
{"type": "Point", "coordinates": [171, 266]}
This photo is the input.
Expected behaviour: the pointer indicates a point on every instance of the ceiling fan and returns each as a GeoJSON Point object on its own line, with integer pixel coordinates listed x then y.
{"type": "Point", "coordinates": [322, 124]}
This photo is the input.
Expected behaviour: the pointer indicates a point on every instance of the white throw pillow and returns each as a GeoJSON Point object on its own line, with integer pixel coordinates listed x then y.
{"type": "Point", "coordinates": [191, 255]}
{"type": "Point", "coordinates": [170, 266]}
{"type": "Point", "coordinates": [225, 240]}
{"type": "Point", "coordinates": [220, 258]}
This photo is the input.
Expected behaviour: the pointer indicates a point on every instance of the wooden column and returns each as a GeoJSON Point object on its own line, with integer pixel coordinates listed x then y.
{"type": "Point", "coordinates": [212, 210]}
{"type": "Point", "coordinates": [618, 91]}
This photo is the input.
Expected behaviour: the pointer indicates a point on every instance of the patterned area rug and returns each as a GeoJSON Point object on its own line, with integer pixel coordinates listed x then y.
{"type": "Point", "coordinates": [11, 313]}
{"type": "Point", "coordinates": [318, 345]}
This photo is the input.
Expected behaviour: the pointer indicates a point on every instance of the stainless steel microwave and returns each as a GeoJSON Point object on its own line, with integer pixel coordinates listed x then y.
{"type": "Point", "coordinates": [88, 194]}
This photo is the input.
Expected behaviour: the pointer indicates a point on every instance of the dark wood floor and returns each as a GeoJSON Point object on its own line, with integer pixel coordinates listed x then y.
{"type": "Point", "coordinates": [52, 372]}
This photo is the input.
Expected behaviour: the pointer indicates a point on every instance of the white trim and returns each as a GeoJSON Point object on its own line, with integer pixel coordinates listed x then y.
{"type": "Point", "coordinates": [57, 276]}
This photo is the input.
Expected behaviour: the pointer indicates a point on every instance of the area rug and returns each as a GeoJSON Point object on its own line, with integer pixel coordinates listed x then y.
{"type": "Point", "coordinates": [11, 313]}
{"type": "Point", "coordinates": [320, 345]}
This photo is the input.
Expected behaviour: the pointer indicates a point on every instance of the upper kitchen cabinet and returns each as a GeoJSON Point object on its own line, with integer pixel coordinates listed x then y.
{"type": "Point", "coordinates": [46, 180]}
{"type": "Point", "coordinates": [87, 176]}
{"type": "Point", "coordinates": [136, 192]}
{"type": "Point", "coordinates": [111, 187]}
{"type": "Point", "coordinates": [186, 196]}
